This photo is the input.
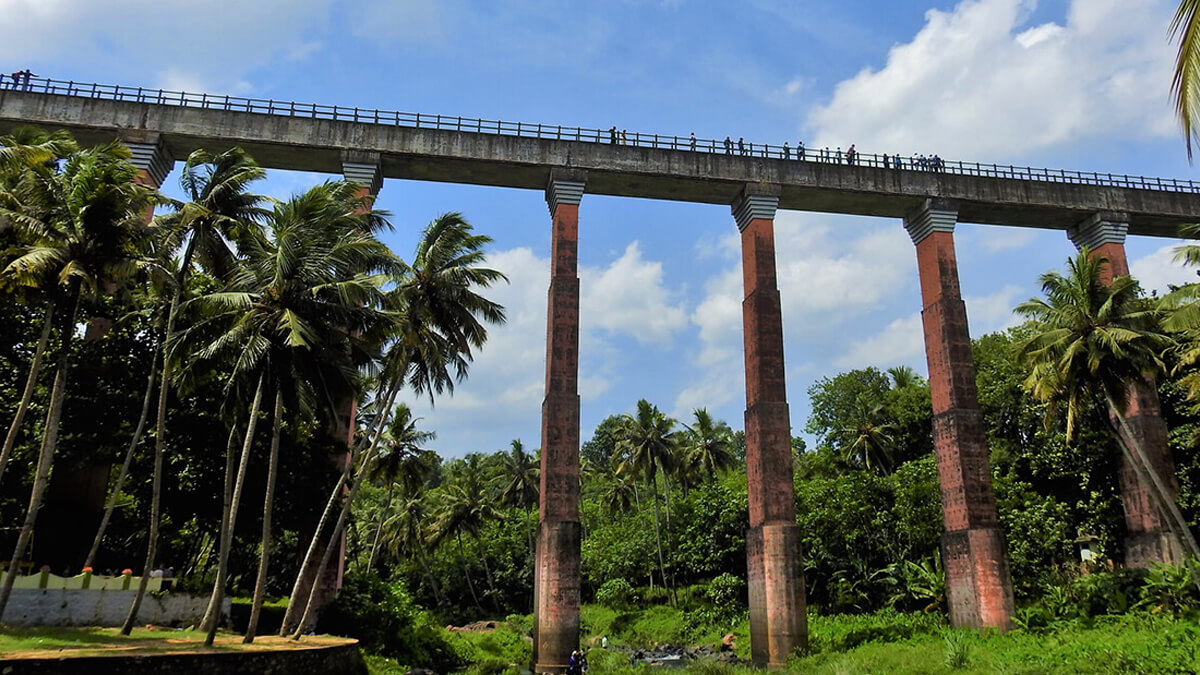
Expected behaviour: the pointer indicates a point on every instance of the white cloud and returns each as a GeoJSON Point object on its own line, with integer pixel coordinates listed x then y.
{"type": "Point", "coordinates": [628, 298]}
{"type": "Point", "coordinates": [209, 47]}
{"type": "Point", "coordinates": [977, 82]}
{"type": "Point", "coordinates": [1157, 272]}
{"type": "Point", "coordinates": [996, 239]}
{"type": "Point", "coordinates": [901, 342]}
{"type": "Point", "coordinates": [994, 311]}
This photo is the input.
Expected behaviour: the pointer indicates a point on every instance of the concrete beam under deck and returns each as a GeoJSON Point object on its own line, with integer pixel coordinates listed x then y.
{"type": "Point", "coordinates": [306, 144]}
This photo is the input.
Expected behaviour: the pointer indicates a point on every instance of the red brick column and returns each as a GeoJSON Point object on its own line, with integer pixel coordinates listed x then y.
{"type": "Point", "coordinates": [978, 588]}
{"type": "Point", "coordinates": [1148, 536]}
{"type": "Point", "coordinates": [361, 168]}
{"type": "Point", "coordinates": [556, 574]}
{"type": "Point", "coordinates": [76, 495]}
{"type": "Point", "coordinates": [775, 571]}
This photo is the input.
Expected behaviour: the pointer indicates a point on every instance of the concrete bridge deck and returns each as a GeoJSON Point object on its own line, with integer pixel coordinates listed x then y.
{"type": "Point", "coordinates": [310, 137]}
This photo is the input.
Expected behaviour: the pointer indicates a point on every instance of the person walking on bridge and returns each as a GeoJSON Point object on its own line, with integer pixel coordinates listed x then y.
{"type": "Point", "coordinates": [741, 145]}
{"type": "Point", "coordinates": [27, 73]}
{"type": "Point", "coordinates": [800, 150]}
{"type": "Point", "coordinates": [612, 135]}
{"type": "Point", "coordinates": [692, 141]}
{"type": "Point", "coordinates": [728, 146]}
{"type": "Point", "coordinates": [787, 152]}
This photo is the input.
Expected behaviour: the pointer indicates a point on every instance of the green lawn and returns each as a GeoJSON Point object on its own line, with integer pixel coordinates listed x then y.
{"type": "Point", "coordinates": [1138, 643]}
{"type": "Point", "coordinates": [60, 641]}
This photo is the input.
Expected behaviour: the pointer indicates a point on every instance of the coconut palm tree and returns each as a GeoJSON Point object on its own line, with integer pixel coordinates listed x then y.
{"type": "Point", "coordinates": [519, 483]}
{"type": "Point", "coordinates": [403, 462]}
{"type": "Point", "coordinates": [21, 153]}
{"type": "Point", "coordinates": [465, 509]}
{"type": "Point", "coordinates": [299, 304]}
{"type": "Point", "coordinates": [80, 227]}
{"type": "Point", "coordinates": [649, 443]}
{"type": "Point", "coordinates": [1185, 85]}
{"type": "Point", "coordinates": [440, 317]}
{"type": "Point", "coordinates": [1092, 344]}
{"type": "Point", "coordinates": [708, 444]}
{"type": "Point", "coordinates": [903, 376]}
{"type": "Point", "coordinates": [219, 210]}
{"type": "Point", "coordinates": [870, 441]}
{"type": "Point", "coordinates": [408, 533]}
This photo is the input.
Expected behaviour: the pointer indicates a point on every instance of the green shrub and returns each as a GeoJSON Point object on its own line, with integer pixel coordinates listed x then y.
{"type": "Point", "coordinates": [616, 593]}
{"type": "Point", "coordinates": [384, 619]}
{"type": "Point", "coordinates": [270, 617]}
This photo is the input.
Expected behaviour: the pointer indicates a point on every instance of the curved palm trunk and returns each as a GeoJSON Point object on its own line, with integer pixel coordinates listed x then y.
{"type": "Point", "coordinates": [160, 431]}
{"type": "Point", "coordinates": [487, 573]}
{"type": "Point", "coordinates": [125, 464]}
{"type": "Point", "coordinates": [213, 610]}
{"type": "Point", "coordinates": [35, 369]}
{"type": "Point", "coordinates": [662, 568]}
{"type": "Point", "coordinates": [669, 555]}
{"type": "Point", "coordinates": [462, 560]}
{"type": "Point", "coordinates": [293, 609]}
{"type": "Point", "coordinates": [387, 505]}
{"type": "Point", "coordinates": [46, 454]}
{"type": "Point", "coordinates": [1141, 463]}
{"type": "Point", "coordinates": [424, 560]}
{"type": "Point", "coordinates": [294, 599]}
{"type": "Point", "coordinates": [264, 556]}
{"type": "Point", "coordinates": [235, 500]}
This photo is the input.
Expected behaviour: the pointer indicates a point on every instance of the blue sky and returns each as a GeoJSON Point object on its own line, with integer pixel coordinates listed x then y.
{"type": "Point", "coordinates": [1077, 84]}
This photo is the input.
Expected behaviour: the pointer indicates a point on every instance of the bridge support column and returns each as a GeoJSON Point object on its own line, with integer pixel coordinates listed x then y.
{"type": "Point", "coordinates": [978, 588]}
{"type": "Point", "coordinates": [775, 571]}
{"type": "Point", "coordinates": [361, 168]}
{"type": "Point", "coordinates": [556, 574]}
{"type": "Point", "coordinates": [1148, 537]}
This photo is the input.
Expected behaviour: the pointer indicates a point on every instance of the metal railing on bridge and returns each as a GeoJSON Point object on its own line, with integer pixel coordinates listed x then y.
{"type": "Point", "coordinates": [612, 135]}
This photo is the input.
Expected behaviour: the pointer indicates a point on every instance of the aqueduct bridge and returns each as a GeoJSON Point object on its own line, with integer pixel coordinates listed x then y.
{"type": "Point", "coordinates": [1096, 209]}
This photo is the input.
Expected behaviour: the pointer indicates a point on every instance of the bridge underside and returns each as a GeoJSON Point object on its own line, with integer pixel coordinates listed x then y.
{"type": "Point", "coordinates": [468, 157]}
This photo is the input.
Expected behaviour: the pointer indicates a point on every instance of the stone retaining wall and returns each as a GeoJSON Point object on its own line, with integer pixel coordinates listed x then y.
{"type": "Point", "coordinates": [76, 607]}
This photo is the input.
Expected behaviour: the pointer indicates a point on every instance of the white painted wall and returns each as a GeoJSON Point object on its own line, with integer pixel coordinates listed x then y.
{"type": "Point", "coordinates": [76, 607]}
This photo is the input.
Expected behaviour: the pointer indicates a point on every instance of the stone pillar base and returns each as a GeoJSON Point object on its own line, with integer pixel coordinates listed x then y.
{"type": "Point", "coordinates": [1142, 549]}
{"type": "Point", "coordinates": [977, 581]}
{"type": "Point", "coordinates": [775, 575]}
{"type": "Point", "coordinates": [556, 596]}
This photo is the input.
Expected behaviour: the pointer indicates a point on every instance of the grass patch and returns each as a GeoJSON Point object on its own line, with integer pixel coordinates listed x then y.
{"type": "Point", "coordinates": [55, 641]}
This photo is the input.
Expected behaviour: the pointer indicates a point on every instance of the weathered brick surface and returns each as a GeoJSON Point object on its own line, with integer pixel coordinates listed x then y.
{"type": "Point", "coordinates": [557, 567]}
{"type": "Point", "coordinates": [556, 580]}
{"type": "Point", "coordinates": [775, 572]}
{"type": "Point", "coordinates": [1148, 537]}
{"type": "Point", "coordinates": [979, 591]}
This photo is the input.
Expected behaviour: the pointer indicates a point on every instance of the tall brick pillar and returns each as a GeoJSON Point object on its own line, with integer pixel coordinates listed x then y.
{"type": "Point", "coordinates": [76, 496]}
{"type": "Point", "coordinates": [361, 168]}
{"type": "Point", "coordinates": [1148, 536]}
{"type": "Point", "coordinates": [775, 570]}
{"type": "Point", "coordinates": [978, 588]}
{"type": "Point", "coordinates": [556, 570]}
